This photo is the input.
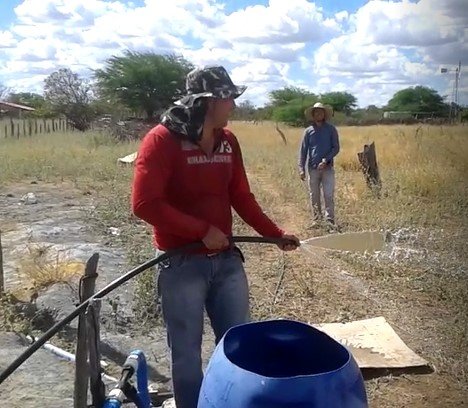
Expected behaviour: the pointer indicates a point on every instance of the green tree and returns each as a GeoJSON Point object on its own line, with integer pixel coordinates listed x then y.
{"type": "Point", "coordinates": [143, 81]}
{"type": "Point", "coordinates": [417, 99]}
{"type": "Point", "coordinates": [69, 95]}
{"type": "Point", "coordinates": [464, 114]}
{"type": "Point", "coordinates": [34, 100]}
{"type": "Point", "coordinates": [340, 101]}
{"type": "Point", "coordinates": [292, 113]}
{"type": "Point", "coordinates": [281, 97]}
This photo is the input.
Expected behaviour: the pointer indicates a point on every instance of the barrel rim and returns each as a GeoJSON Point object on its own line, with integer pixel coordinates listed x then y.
{"type": "Point", "coordinates": [348, 361]}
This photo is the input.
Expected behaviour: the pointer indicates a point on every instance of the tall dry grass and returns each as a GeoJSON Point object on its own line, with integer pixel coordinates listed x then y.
{"type": "Point", "coordinates": [424, 200]}
{"type": "Point", "coordinates": [75, 157]}
{"type": "Point", "coordinates": [423, 169]}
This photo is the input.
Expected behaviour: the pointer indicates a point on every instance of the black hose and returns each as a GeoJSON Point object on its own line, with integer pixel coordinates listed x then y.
{"type": "Point", "coordinates": [116, 283]}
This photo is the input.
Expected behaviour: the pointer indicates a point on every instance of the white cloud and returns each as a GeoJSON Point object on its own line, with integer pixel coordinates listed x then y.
{"type": "Point", "coordinates": [438, 28]}
{"type": "Point", "coordinates": [7, 40]}
{"type": "Point", "coordinates": [281, 22]}
{"type": "Point", "coordinates": [68, 12]}
{"type": "Point", "coordinates": [30, 83]}
{"type": "Point", "coordinates": [32, 49]}
{"type": "Point", "coordinates": [371, 72]}
{"type": "Point", "coordinates": [403, 23]}
{"type": "Point", "coordinates": [261, 76]}
{"type": "Point", "coordinates": [341, 16]}
{"type": "Point", "coordinates": [384, 46]}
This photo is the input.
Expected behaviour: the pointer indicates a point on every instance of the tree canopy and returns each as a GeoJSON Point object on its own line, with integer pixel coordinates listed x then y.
{"type": "Point", "coordinates": [145, 82]}
{"type": "Point", "coordinates": [288, 104]}
{"type": "Point", "coordinates": [417, 99]}
{"type": "Point", "coordinates": [339, 101]}
{"type": "Point", "coordinates": [34, 100]}
{"type": "Point", "coordinates": [31, 99]}
{"type": "Point", "coordinates": [283, 96]}
{"type": "Point", "coordinates": [69, 95]}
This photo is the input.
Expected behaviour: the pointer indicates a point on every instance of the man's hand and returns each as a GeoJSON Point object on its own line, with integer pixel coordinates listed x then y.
{"type": "Point", "coordinates": [302, 175]}
{"type": "Point", "coordinates": [295, 243]}
{"type": "Point", "coordinates": [322, 165]}
{"type": "Point", "coordinates": [215, 239]}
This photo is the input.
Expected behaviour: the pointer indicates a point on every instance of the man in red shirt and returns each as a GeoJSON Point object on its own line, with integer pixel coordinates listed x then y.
{"type": "Point", "coordinates": [189, 173]}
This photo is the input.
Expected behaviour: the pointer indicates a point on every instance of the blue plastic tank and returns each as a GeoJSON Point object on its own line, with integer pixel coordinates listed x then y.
{"type": "Point", "coordinates": [279, 364]}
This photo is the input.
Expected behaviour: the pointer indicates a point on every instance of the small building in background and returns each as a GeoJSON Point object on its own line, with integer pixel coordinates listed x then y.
{"type": "Point", "coordinates": [14, 110]}
{"type": "Point", "coordinates": [397, 115]}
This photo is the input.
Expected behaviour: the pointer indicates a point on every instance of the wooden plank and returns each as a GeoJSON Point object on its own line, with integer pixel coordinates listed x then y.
{"type": "Point", "coordinates": [87, 285]}
{"type": "Point", "coordinates": [373, 343]}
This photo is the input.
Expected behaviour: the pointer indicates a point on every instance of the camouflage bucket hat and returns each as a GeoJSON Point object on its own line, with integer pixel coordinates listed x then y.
{"type": "Point", "coordinates": [207, 82]}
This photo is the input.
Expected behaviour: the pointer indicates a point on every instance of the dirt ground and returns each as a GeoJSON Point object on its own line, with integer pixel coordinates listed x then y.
{"type": "Point", "coordinates": [316, 289]}
{"type": "Point", "coordinates": [60, 223]}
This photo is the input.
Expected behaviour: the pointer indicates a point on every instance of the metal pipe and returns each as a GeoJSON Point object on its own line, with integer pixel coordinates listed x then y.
{"type": "Point", "coordinates": [68, 356]}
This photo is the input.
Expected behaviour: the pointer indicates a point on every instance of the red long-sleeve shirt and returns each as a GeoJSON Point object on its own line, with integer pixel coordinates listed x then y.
{"type": "Point", "coordinates": [181, 191]}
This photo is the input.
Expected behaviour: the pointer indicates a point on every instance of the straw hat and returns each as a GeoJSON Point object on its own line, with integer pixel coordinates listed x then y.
{"type": "Point", "coordinates": [319, 105]}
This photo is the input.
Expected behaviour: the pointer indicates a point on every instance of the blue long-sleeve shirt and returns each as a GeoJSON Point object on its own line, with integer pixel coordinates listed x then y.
{"type": "Point", "coordinates": [318, 143]}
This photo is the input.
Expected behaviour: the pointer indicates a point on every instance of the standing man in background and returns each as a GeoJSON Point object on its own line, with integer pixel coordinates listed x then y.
{"type": "Point", "coordinates": [189, 173]}
{"type": "Point", "coordinates": [320, 144]}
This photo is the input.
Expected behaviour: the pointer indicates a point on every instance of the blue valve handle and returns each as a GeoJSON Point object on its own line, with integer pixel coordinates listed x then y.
{"type": "Point", "coordinates": [142, 380]}
{"type": "Point", "coordinates": [137, 362]}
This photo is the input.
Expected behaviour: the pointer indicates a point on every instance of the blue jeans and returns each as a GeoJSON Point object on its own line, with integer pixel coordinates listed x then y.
{"type": "Point", "coordinates": [187, 285]}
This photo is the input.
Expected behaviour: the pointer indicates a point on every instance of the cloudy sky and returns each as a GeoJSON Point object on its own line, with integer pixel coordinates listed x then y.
{"type": "Point", "coordinates": [371, 49]}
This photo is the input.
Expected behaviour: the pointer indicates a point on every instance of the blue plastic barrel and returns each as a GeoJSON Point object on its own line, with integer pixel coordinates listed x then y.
{"type": "Point", "coordinates": [280, 364]}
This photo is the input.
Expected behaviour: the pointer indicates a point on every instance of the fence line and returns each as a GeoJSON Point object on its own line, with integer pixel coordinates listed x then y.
{"type": "Point", "coordinates": [28, 127]}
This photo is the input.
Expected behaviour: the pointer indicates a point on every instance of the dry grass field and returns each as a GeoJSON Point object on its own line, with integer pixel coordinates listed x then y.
{"type": "Point", "coordinates": [421, 288]}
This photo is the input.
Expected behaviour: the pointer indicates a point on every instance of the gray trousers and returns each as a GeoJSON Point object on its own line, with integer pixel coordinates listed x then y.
{"type": "Point", "coordinates": [322, 180]}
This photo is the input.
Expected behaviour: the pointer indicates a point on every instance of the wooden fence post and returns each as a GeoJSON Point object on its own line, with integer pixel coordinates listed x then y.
{"type": "Point", "coordinates": [96, 385]}
{"type": "Point", "coordinates": [87, 284]}
{"type": "Point", "coordinates": [368, 160]}
{"type": "Point", "coordinates": [2, 277]}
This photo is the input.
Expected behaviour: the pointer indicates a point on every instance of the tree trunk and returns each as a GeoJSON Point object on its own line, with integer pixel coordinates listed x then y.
{"type": "Point", "coordinates": [368, 160]}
